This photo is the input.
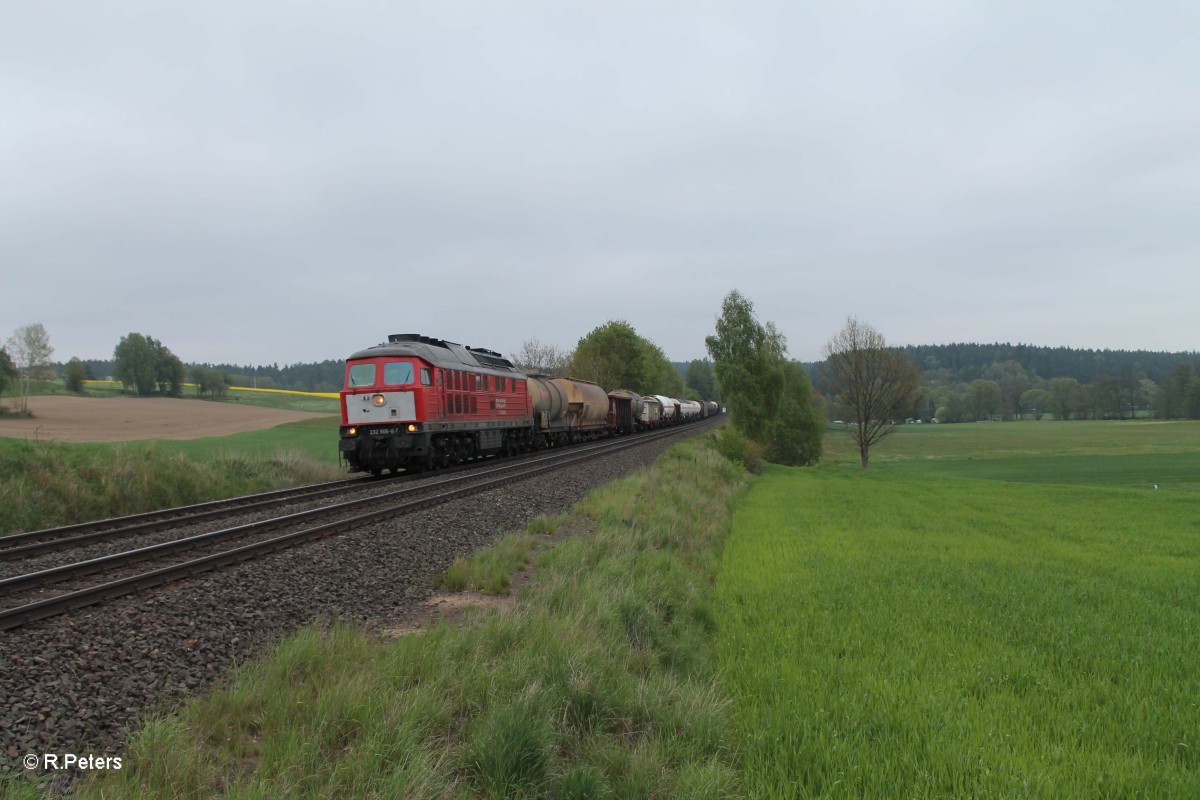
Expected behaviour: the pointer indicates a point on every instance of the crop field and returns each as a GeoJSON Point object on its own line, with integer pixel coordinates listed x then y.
{"type": "Point", "coordinates": [988, 611]}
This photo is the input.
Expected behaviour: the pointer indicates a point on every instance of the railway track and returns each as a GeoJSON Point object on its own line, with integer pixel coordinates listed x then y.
{"type": "Point", "coordinates": [32, 543]}
{"type": "Point", "coordinates": [48, 592]}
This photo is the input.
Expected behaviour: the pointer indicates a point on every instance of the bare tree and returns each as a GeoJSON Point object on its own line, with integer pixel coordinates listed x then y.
{"type": "Point", "coordinates": [544, 358]}
{"type": "Point", "coordinates": [874, 384]}
{"type": "Point", "coordinates": [30, 349]}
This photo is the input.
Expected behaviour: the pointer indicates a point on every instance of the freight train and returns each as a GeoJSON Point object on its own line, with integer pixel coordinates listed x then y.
{"type": "Point", "coordinates": [415, 403]}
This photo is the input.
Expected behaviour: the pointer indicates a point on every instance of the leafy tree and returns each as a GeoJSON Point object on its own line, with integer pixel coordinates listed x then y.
{"type": "Point", "coordinates": [1036, 401]}
{"type": "Point", "coordinates": [30, 351]}
{"type": "Point", "coordinates": [1179, 395]}
{"type": "Point", "coordinates": [1147, 396]}
{"type": "Point", "coordinates": [535, 357]}
{"type": "Point", "coordinates": [770, 398]}
{"type": "Point", "coordinates": [209, 381]}
{"type": "Point", "coordinates": [611, 355]}
{"type": "Point", "coordinates": [746, 357]}
{"type": "Point", "coordinates": [144, 364]}
{"type": "Point", "coordinates": [134, 360]}
{"type": "Point", "coordinates": [796, 436]}
{"type": "Point", "coordinates": [168, 370]}
{"type": "Point", "coordinates": [984, 399]}
{"type": "Point", "coordinates": [1108, 393]}
{"type": "Point", "coordinates": [74, 374]}
{"type": "Point", "coordinates": [8, 371]}
{"type": "Point", "coordinates": [1011, 382]}
{"type": "Point", "coordinates": [701, 378]}
{"type": "Point", "coordinates": [1066, 397]}
{"type": "Point", "coordinates": [660, 376]}
{"type": "Point", "coordinates": [616, 357]}
{"type": "Point", "coordinates": [872, 381]}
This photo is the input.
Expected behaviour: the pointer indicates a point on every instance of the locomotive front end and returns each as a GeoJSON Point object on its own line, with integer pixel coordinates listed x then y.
{"type": "Point", "coordinates": [382, 413]}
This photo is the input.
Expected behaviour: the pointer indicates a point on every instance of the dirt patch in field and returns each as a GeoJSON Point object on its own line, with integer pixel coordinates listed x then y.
{"type": "Point", "coordinates": [123, 419]}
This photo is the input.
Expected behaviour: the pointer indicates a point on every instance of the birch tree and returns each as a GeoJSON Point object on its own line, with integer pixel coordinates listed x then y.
{"type": "Point", "coordinates": [31, 353]}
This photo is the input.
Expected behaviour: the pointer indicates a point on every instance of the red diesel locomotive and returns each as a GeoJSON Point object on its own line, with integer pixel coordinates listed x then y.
{"type": "Point", "coordinates": [415, 402]}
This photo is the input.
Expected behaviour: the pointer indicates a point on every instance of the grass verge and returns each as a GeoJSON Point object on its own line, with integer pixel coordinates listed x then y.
{"type": "Point", "coordinates": [598, 683]}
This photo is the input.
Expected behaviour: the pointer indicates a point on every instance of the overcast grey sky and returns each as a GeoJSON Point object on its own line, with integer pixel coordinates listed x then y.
{"type": "Point", "coordinates": [255, 182]}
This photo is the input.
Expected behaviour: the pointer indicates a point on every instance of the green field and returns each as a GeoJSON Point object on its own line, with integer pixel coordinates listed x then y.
{"type": "Point", "coordinates": [988, 611]}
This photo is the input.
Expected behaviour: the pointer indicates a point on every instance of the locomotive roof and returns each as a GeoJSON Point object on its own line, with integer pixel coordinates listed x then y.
{"type": "Point", "coordinates": [440, 353]}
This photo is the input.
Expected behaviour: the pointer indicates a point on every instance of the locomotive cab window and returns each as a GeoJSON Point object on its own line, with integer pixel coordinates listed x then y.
{"type": "Point", "coordinates": [426, 377]}
{"type": "Point", "coordinates": [397, 373]}
{"type": "Point", "coordinates": [361, 375]}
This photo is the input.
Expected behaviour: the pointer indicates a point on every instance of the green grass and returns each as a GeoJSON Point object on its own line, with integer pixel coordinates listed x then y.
{"type": "Point", "coordinates": [598, 682]}
{"type": "Point", "coordinates": [965, 619]}
{"type": "Point", "coordinates": [490, 570]}
{"type": "Point", "coordinates": [1002, 440]}
{"type": "Point", "coordinates": [313, 438]}
{"type": "Point", "coordinates": [48, 484]}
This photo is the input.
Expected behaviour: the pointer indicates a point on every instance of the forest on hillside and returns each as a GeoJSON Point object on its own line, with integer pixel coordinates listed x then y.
{"type": "Point", "coordinates": [970, 382]}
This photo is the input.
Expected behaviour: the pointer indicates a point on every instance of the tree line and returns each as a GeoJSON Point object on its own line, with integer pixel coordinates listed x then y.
{"type": "Point", "coordinates": [958, 382]}
{"type": "Point", "coordinates": [967, 362]}
{"type": "Point", "coordinates": [1009, 391]}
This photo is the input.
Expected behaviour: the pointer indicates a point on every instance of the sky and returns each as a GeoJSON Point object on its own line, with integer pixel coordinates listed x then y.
{"type": "Point", "coordinates": [265, 182]}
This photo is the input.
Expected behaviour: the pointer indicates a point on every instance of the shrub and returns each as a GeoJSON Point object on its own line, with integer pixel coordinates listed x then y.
{"type": "Point", "coordinates": [736, 447]}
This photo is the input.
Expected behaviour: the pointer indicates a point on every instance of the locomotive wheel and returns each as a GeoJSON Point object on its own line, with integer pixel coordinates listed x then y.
{"type": "Point", "coordinates": [439, 458]}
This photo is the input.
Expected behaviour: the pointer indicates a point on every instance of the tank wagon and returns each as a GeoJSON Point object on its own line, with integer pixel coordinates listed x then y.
{"type": "Point", "coordinates": [567, 410]}
{"type": "Point", "coordinates": [415, 403]}
{"type": "Point", "coordinates": [670, 409]}
{"type": "Point", "coordinates": [689, 410]}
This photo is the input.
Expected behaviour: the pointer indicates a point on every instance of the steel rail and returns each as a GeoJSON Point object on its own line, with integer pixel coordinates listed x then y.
{"type": "Point", "coordinates": [32, 543]}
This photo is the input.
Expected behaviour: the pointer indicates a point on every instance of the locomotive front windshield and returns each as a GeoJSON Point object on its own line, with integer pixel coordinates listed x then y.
{"type": "Point", "coordinates": [361, 375]}
{"type": "Point", "coordinates": [397, 373]}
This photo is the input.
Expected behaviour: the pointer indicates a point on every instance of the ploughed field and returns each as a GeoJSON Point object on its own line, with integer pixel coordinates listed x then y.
{"type": "Point", "coordinates": [990, 610]}
{"type": "Point", "coordinates": [121, 419]}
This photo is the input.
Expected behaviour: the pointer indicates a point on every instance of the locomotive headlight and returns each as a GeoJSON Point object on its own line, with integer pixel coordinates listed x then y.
{"type": "Point", "coordinates": [378, 400]}
{"type": "Point", "coordinates": [351, 431]}
{"type": "Point", "coordinates": [412, 428]}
